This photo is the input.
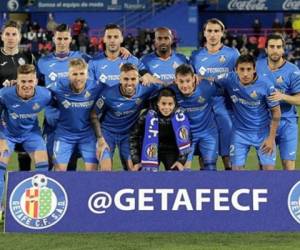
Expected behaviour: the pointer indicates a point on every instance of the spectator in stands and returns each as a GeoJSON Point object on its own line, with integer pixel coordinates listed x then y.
{"type": "Point", "coordinates": [51, 24]}
{"type": "Point", "coordinates": [256, 26]}
{"type": "Point", "coordinates": [277, 26]}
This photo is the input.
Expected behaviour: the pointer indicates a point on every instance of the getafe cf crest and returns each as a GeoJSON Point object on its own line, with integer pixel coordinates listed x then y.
{"type": "Point", "coordinates": [21, 61]}
{"type": "Point", "coordinates": [152, 151]}
{"type": "Point", "coordinates": [87, 94]}
{"type": "Point", "coordinates": [253, 94]}
{"type": "Point", "coordinates": [183, 133]}
{"type": "Point", "coordinates": [294, 202]}
{"type": "Point", "coordinates": [279, 79]}
{"type": "Point", "coordinates": [175, 65]}
{"type": "Point", "coordinates": [201, 99]}
{"type": "Point", "coordinates": [38, 202]}
{"type": "Point", "coordinates": [222, 59]}
{"type": "Point", "coordinates": [36, 106]}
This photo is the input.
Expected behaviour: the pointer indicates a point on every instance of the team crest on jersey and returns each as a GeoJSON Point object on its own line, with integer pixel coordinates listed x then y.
{"type": "Point", "coordinates": [138, 101]}
{"type": "Point", "coordinates": [36, 106]}
{"type": "Point", "coordinates": [253, 94]}
{"type": "Point", "coordinates": [175, 65]}
{"type": "Point", "coordinates": [294, 202]}
{"type": "Point", "coordinates": [222, 59]}
{"type": "Point", "coordinates": [279, 79]}
{"type": "Point", "coordinates": [201, 99]}
{"type": "Point", "coordinates": [38, 202]}
{"type": "Point", "coordinates": [183, 133]}
{"type": "Point", "coordinates": [151, 151]}
{"type": "Point", "coordinates": [66, 104]}
{"type": "Point", "coordinates": [21, 61]}
{"type": "Point", "coordinates": [87, 94]}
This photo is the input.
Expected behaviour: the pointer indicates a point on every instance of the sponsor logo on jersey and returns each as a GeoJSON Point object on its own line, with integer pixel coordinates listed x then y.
{"type": "Point", "coordinates": [21, 61]}
{"type": "Point", "coordinates": [279, 79]}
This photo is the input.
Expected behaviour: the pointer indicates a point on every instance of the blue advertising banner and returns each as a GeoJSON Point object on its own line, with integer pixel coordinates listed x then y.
{"type": "Point", "coordinates": [74, 5]}
{"type": "Point", "coordinates": [153, 202]}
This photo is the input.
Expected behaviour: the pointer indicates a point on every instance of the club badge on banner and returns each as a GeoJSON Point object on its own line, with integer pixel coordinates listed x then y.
{"type": "Point", "coordinates": [153, 202]}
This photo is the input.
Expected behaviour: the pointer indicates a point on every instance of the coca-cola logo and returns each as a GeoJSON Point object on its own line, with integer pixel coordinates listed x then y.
{"type": "Point", "coordinates": [291, 5]}
{"type": "Point", "coordinates": [247, 5]}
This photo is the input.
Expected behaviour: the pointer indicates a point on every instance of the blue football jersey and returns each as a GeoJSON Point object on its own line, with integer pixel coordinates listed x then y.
{"type": "Point", "coordinates": [163, 69]}
{"type": "Point", "coordinates": [211, 65]}
{"type": "Point", "coordinates": [21, 116]}
{"type": "Point", "coordinates": [74, 108]}
{"type": "Point", "coordinates": [250, 103]}
{"type": "Point", "coordinates": [198, 107]}
{"type": "Point", "coordinates": [107, 71]}
{"type": "Point", "coordinates": [119, 113]}
{"type": "Point", "coordinates": [286, 80]}
{"type": "Point", "coordinates": [52, 67]}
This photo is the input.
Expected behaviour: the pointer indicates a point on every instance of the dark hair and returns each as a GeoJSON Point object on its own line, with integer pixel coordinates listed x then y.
{"type": "Point", "coordinates": [166, 92]}
{"type": "Point", "coordinates": [214, 21]}
{"type": "Point", "coordinates": [245, 59]}
{"type": "Point", "coordinates": [11, 24]}
{"type": "Point", "coordinates": [184, 69]}
{"type": "Point", "coordinates": [275, 37]}
{"type": "Point", "coordinates": [112, 26]}
{"type": "Point", "coordinates": [163, 29]}
{"type": "Point", "coordinates": [62, 28]}
{"type": "Point", "coordinates": [128, 67]}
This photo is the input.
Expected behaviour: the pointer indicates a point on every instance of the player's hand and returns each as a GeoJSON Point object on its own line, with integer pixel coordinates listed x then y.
{"type": "Point", "coordinates": [267, 146]}
{"type": "Point", "coordinates": [276, 96]}
{"type": "Point", "coordinates": [177, 166]}
{"type": "Point", "coordinates": [9, 83]}
{"type": "Point", "coordinates": [3, 148]}
{"type": "Point", "coordinates": [148, 79]}
{"type": "Point", "coordinates": [136, 167]}
{"type": "Point", "coordinates": [125, 53]}
{"type": "Point", "coordinates": [101, 146]}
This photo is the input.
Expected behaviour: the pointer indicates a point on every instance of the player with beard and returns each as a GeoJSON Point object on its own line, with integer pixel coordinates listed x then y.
{"type": "Point", "coordinates": [118, 109]}
{"type": "Point", "coordinates": [10, 59]}
{"type": "Point", "coordinates": [51, 68]}
{"type": "Point", "coordinates": [163, 62]}
{"type": "Point", "coordinates": [105, 67]}
{"type": "Point", "coordinates": [286, 77]}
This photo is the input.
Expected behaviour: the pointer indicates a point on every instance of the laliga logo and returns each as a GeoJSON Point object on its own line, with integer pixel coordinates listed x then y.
{"type": "Point", "coordinates": [294, 202]}
{"type": "Point", "coordinates": [38, 202]}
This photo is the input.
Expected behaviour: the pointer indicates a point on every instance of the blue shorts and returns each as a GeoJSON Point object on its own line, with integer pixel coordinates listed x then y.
{"type": "Point", "coordinates": [32, 142]}
{"type": "Point", "coordinates": [287, 139]}
{"type": "Point", "coordinates": [241, 142]}
{"type": "Point", "coordinates": [63, 150]}
{"type": "Point", "coordinates": [49, 140]}
{"type": "Point", "coordinates": [119, 140]}
{"type": "Point", "coordinates": [224, 125]}
{"type": "Point", "coordinates": [206, 144]}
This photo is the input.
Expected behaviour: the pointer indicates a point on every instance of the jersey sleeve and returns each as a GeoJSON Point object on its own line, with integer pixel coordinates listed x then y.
{"type": "Point", "coordinates": [223, 80]}
{"type": "Point", "coordinates": [295, 82]}
{"type": "Point", "coordinates": [92, 70]}
{"type": "Point", "coordinates": [271, 89]}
